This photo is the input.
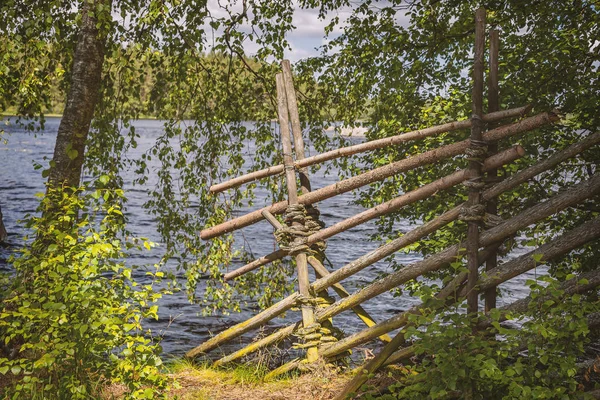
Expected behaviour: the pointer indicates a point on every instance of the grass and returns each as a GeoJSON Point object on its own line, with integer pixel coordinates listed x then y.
{"type": "Point", "coordinates": [245, 382]}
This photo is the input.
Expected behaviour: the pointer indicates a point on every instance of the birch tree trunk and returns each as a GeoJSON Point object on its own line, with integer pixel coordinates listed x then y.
{"type": "Point", "coordinates": [69, 150]}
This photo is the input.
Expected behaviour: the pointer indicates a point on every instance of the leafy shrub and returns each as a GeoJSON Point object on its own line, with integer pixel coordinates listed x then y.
{"type": "Point", "coordinates": [71, 320]}
{"type": "Point", "coordinates": [536, 359]}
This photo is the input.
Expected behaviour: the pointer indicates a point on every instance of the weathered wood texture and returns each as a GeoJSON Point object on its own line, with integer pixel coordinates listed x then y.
{"type": "Point", "coordinates": [574, 195]}
{"type": "Point", "coordinates": [364, 147]}
{"type": "Point", "coordinates": [449, 216]}
{"type": "Point", "coordinates": [321, 271]}
{"type": "Point", "coordinates": [381, 173]}
{"type": "Point", "coordinates": [493, 105]}
{"type": "Point", "coordinates": [292, 103]}
{"type": "Point", "coordinates": [560, 246]}
{"type": "Point", "coordinates": [308, 317]}
{"type": "Point", "coordinates": [474, 165]}
{"type": "Point", "coordinates": [421, 193]}
{"type": "Point", "coordinates": [411, 237]}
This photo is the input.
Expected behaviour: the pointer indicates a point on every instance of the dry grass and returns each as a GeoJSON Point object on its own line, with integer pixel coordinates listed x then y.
{"type": "Point", "coordinates": [202, 383]}
{"type": "Point", "coordinates": [244, 383]}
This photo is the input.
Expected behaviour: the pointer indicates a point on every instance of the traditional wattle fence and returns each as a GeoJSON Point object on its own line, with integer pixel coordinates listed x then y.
{"type": "Point", "coordinates": [303, 236]}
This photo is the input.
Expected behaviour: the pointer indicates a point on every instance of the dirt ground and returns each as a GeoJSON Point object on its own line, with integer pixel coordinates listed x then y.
{"type": "Point", "coordinates": [206, 386]}
{"type": "Point", "coordinates": [199, 383]}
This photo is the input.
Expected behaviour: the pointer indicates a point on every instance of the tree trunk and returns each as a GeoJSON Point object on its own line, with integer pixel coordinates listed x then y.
{"type": "Point", "coordinates": [67, 162]}
{"type": "Point", "coordinates": [3, 233]}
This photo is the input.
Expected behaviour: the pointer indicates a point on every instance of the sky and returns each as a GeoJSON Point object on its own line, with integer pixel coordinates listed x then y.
{"type": "Point", "coordinates": [304, 40]}
{"type": "Point", "coordinates": [310, 29]}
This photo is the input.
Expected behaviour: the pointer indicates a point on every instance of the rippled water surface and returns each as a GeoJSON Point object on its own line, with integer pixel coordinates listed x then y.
{"type": "Point", "coordinates": [181, 323]}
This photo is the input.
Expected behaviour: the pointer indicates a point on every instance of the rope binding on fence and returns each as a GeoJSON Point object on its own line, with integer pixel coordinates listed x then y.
{"type": "Point", "coordinates": [292, 237]}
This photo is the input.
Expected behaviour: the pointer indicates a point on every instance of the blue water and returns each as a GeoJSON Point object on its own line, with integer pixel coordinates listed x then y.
{"type": "Point", "coordinates": [181, 324]}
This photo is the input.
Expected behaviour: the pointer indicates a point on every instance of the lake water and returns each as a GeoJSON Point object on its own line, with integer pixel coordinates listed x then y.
{"type": "Point", "coordinates": [181, 324]}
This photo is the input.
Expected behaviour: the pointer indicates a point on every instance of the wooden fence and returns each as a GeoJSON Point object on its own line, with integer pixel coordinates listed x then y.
{"type": "Point", "coordinates": [303, 236]}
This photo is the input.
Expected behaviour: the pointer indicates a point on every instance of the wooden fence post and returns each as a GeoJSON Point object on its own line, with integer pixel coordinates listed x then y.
{"type": "Point", "coordinates": [308, 316]}
{"type": "Point", "coordinates": [493, 105]}
{"type": "Point", "coordinates": [475, 163]}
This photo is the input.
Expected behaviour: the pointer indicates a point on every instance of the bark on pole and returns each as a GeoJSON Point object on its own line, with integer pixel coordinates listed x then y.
{"type": "Point", "coordinates": [493, 105]}
{"type": "Point", "coordinates": [292, 103]}
{"type": "Point", "coordinates": [421, 193]}
{"type": "Point", "coordinates": [368, 146]}
{"type": "Point", "coordinates": [381, 173]}
{"type": "Point", "coordinates": [81, 100]}
{"type": "Point", "coordinates": [559, 202]}
{"type": "Point", "coordinates": [308, 317]}
{"type": "Point", "coordinates": [474, 165]}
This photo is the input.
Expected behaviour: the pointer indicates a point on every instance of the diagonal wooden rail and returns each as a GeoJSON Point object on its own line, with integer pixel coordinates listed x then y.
{"type": "Point", "coordinates": [557, 247]}
{"type": "Point", "coordinates": [574, 195]}
{"type": "Point", "coordinates": [369, 146]}
{"type": "Point", "coordinates": [381, 173]}
{"type": "Point", "coordinates": [397, 244]}
{"type": "Point", "coordinates": [421, 193]}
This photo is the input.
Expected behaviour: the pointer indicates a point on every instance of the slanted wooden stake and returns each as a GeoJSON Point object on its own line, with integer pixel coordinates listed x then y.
{"type": "Point", "coordinates": [295, 120]}
{"type": "Point", "coordinates": [559, 202]}
{"type": "Point", "coordinates": [493, 105]}
{"type": "Point", "coordinates": [381, 173]}
{"type": "Point", "coordinates": [475, 165]}
{"type": "Point", "coordinates": [391, 247]}
{"type": "Point", "coordinates": [308, 316]}
{"type": "Point", "coordinates": [368, 146]}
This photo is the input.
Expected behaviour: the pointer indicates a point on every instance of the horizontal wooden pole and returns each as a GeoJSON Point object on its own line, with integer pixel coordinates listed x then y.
{"type": "Point", "coordinates": [570, 240]}
{"type": "Point", "coordinates": [380, 173]}
{"type": "Point", "coordinates": [505, 185]}
{"type": "Point", "coordinates": [368, 146]}
{"type": "Point", "coordinates": [421, 193]}
{"type": "Point", "coordinates": [574, 195]}
{"type": "Point", "coordinates": [416, 234]}
{"type": "Point", "coordinates": [395, 322]}
{"type": "Point", "coordinates": [567, 242]}
{"type": "Point", "coordinates": [497, 160]}
{"type": "Point", "coordinates": [559, 202]}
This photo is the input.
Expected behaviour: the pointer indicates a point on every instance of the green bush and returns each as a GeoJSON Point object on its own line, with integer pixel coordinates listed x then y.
{"type": "Point", "coordinates": [536, 358]}
{"type": "Point", "coordinates": [71, 322]}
